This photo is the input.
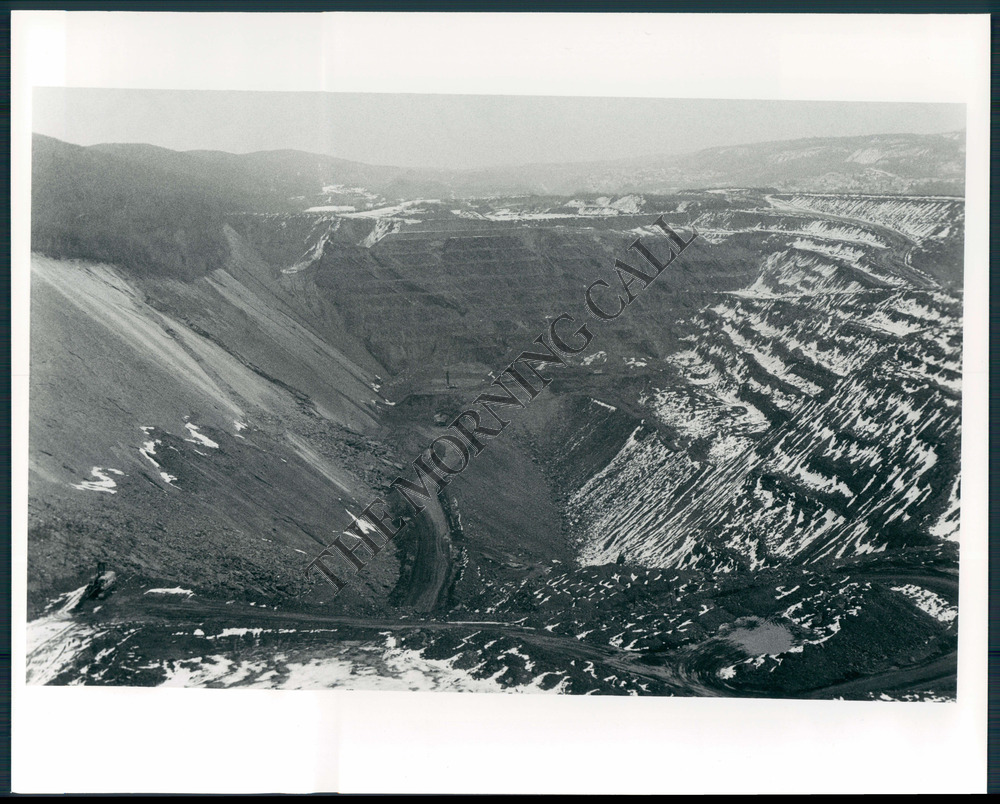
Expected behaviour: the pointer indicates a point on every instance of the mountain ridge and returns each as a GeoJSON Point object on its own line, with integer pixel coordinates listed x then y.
{"type": "Point", "coordinates": [472, 179]}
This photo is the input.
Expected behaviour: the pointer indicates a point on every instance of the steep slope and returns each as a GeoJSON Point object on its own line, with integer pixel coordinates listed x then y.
{"type": "Point", "coordinates": [220, 474]}
{"type": "Point", "coordinates": [809, 431]}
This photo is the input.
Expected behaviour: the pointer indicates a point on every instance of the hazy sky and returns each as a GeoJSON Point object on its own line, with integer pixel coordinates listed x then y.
{"type": "Point", "coordinates": [459, 131]}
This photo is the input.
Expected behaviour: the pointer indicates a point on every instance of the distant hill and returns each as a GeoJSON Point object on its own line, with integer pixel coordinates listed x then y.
{"type": "Point", "coordinates": [162, 212]}
{"type": "Point", "coordinates": [896, 163]}
{"type": "Point", "coordinates": [134, 211]}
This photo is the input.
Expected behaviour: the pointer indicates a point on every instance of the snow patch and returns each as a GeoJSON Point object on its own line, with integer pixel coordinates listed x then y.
{"type": "Point", "coordinates": [103, 482]}
{"type": "Point", "coordinates": [175, 591]}
{"type": "Point", "coordinates": [199, 438]}
{"type": "Point", "coordinates": [603, 404]}
{"type": "Point", "coordinates": [927, 601]}
{"type": "Point", "coordinates": [56, 639]}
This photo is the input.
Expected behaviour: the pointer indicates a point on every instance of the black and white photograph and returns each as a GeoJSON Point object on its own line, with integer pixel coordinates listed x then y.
{"type": "Point", "coordinates": [654, 425]}
{"type": "Point", "coordinates": [486, 393]}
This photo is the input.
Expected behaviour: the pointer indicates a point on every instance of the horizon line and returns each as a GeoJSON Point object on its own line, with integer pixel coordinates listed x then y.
{"type": "Point", "coordinates": [509, 165]}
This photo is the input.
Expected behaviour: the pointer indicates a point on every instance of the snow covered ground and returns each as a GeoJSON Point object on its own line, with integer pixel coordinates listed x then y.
{"type": "Point", "coordinates": [55, 639]}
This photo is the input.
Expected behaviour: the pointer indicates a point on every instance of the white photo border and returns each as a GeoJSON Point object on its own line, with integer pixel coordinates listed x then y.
{"type": "Point", "coordinates": [258, 741]}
